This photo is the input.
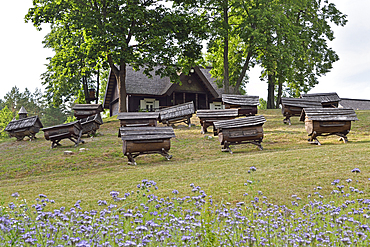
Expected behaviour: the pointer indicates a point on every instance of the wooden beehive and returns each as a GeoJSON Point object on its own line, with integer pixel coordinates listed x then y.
{"type": "Point", "coordinates": [240, 131]}
{"type": "Point", "coordinates": [327, 121]}
{"type": "Point", "coordinates": [71, 131]}
{"type": "Point", "coordinates": [91, 124]}
{"type": "Point", "coordinates": [292, 107]}
{"type": "Point", "coordinates": [177, 114]}
{"type": "Point", "coordinates": [28, 126]}
{"type": "Point", "coordinates": [246, 104]}
{"type": "Point", "coordinates": [146, 140]}
{"type": "Point", "coordinates": [208, 117]}
{"type": "Point", "coordinates": [86, 110]}
{"type": "Point", "coordinates": [328, 100]}
{"type": "Point", "coordinates": [138, 119]}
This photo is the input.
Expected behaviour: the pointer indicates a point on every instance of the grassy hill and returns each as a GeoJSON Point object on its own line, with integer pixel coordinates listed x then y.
{"type": "Point", "coordinates": [288, 164]}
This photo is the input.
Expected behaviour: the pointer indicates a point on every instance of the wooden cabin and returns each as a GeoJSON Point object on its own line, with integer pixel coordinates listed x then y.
{"type": "Point", "coordinates": [327, 121]}
{"type": "Point", "coordinates": [246, 104]}
{"type": "Point", "coordinates": [328, 100]}
{"type": "Point", "coordinates": [150, 94]}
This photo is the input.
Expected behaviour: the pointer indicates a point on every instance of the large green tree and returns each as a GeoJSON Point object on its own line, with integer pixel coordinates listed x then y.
{"type": "Point", "coordinates": [141, 33]}
{"type": "Point", "coordinates": [72, 69]}
{"type": "Point", "coordinates": [288, 39]}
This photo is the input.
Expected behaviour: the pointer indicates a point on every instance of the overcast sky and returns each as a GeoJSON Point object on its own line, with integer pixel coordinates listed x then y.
{"type": "Point", "coordinates": [23, 57]}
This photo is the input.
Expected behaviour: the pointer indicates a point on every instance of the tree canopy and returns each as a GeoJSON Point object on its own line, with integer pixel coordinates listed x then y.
{"type": "Point", "coordinates": [141, 33]}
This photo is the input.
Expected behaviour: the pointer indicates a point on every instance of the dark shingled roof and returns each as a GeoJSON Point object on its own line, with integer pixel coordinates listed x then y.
{"type": "Point", "coordinates": [137, 115]}
{"type": "Point", "coordinates": [88, 107]}
{"type": "Point", "coordinates": [176, 111]}
{"type": "Point", "coordinates": [323, 97]}
{"type": "Point", "coordinates": [243, 100]}
{"type": "Point", "coordinates": [355, 104]}
{"type": "Point", "coordinates": [22, 111]}
{"type": "Point", "coordinates": [240, 122]}
{"type": "Point", "coordinates": [146, 133]}
{"type": "Point", "coordinates": [23, 123]}
{"type": "Point", "coordinates": [329, 114]}
{"type": "Point", "coordinates": [217, 113]}
{"type": "Point", "coordinates": [299, 102]}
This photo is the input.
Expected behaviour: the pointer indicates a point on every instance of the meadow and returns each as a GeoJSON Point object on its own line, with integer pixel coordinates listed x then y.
{"type": "Point", "coordinates": [291, 193]}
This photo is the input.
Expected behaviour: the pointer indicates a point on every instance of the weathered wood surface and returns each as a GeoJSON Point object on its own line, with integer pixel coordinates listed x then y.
{"type": "Point", "coordinates": [177, 114]}
{"type": "Point", "coordinates": [24, 127]}
{"type": "Point", "coordinates": [91, 124]}
{"type": "Point", "coordinates": [293, 107]}
{"type": "Point", "coordinates": [208, 117]}
{"type": "Point", "coordinates": [138, 119]}
{"type": "Point", "coordinates": [146, 140]}
{"type": "Point", "coordinates": [71, 131]}
{"type": "Point", "coordinates": [246, 104]}
{"type": "Point", "coordinates": [86, 110]}
{"type": "Point", "coordinates": [326, 99]}
{"type": "Point", "coordinates": [241, 100]}
{"type": "Point", "coordinates": [240, 131]}
{"type": "Point", "coordinates": [327, 121]}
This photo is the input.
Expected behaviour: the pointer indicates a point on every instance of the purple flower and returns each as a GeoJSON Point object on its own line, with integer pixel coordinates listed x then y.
{"type": "Point", "coordinates": [15, 194]}
{"type": "Point", "coordinates": [356, 170]}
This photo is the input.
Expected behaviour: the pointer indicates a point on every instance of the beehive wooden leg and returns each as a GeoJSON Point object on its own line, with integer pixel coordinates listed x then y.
{"type": "Point", "coordinates": [131, 160]}
{"type": "Point", "coordinates": [165, 154]}
{"type": "Point", "coordinates": [342, 137]}
{"type": "Point", "coordinates": [55, 144]}
{"type": "Point", "coordinates": [226, 147]}
{"type": "Point", "coordinates": [204, 129]}
{"type": "Point", "coordinates": [313, 139]}
{"type": "Point", "coordinates": [188, 122]}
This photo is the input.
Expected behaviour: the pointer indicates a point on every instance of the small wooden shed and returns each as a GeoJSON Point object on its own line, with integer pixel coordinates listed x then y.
{"type": "Point", "coordinates": [86, 110]}
{"type": "Point", "coordinates": [239, 131]}
{"type": "Point", "coordinates": [28, 126]}
{"type": "Point", "coordinates": [146, 140]}
{"type": "Point", "coordinates": [246, 104]}
{"type": "Point", "coordinates": [327, 121]}
{"type": "Point", "coordinates": [328, 100]}
{"type": "Point", "coordinates": [292, 107]}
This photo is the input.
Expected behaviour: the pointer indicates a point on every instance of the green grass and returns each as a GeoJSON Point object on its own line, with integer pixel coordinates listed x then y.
{"type": "Point", "coordinates": [287, 165]}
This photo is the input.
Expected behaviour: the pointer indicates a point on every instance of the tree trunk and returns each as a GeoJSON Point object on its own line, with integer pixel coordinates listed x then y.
{"type": "Point", "coordinates": [242, 73]}
{"type": "Point", "coordinates": [280, 92]}
{"type": "Point", "coordinates": [121, 81]}
{"type": "Point", "coordinates": [271, 91]}
{"type": "Point", "coordinates": [97, 87]}
{"type": "Point", "coordinates": [226, 48]}
{"type": "Point", "coordinates": [86, 89]}
{"type": "Point", "coordinates": [120, 74]}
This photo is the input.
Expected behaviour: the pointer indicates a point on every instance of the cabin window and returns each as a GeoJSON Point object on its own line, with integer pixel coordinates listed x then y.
{"type": "Point", "coordinates": [216, 106]}
{"type": "Point", "coordinates": [149, 105]}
